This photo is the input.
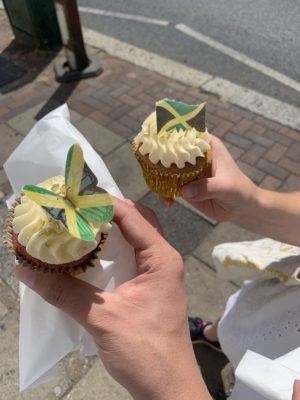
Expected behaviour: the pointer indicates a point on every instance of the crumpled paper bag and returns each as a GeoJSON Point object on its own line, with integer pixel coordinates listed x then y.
{"type": "Point", "coordinates": [257, 260]}
{"type": "Point", "coordinates": [46, 333]}
{"type": "Point", "coordinates": [272, 379]}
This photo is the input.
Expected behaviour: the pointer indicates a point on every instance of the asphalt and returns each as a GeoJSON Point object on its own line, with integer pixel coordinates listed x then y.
{"type": "Point", "coordinates": [265, 31]}
{"type": "Point", "coordinates": [109, 110]}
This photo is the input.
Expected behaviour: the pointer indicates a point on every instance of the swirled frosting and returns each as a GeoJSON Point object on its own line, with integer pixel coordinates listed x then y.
{"type": "Point", "coordinates": [45, 238]}
{"type": "Point", "coordinates": [174, 147]}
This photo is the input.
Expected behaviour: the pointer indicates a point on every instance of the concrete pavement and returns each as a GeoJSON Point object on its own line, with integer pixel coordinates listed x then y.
{"type": "Point", "coordinates": [109, 110]}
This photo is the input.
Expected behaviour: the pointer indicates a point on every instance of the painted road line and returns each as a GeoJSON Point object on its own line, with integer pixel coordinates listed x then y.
{"type": "Point", "coordinates": [278, 76]}
{"type": "Point", "coordinates": [266, 106]}
{"type": "Point", "coordinates": [258, 103]}
{"type": "Point", "coordinates": [146, 59]}
{"type": "Point", "coordinates": [136, 18]}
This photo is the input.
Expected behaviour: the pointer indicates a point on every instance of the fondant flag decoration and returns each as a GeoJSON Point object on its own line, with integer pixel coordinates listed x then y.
{"type": "Point", "coordinates": [171, 114]}
{"type": "Point", "coordinates": [83, 202]}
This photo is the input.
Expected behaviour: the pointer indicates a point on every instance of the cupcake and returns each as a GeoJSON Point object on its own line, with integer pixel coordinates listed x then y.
{"type": "Point", "coordinates": [61, 224]}
{"type": "Point", "coordinates": [173, 147]}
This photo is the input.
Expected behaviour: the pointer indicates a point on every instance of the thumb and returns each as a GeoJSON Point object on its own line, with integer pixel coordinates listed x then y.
{"type": "Point", "coordinates": [202, 189]}
{"type": "Point", "coordinates": [296, 390]}
{"type": "Point", "coordinates": [71, 295]}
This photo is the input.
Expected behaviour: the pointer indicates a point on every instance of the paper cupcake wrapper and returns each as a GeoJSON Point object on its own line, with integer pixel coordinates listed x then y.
{"type": "Point", "coordinates": [168, 184]}
{"type": "Point", "coordinates": [74, 270]}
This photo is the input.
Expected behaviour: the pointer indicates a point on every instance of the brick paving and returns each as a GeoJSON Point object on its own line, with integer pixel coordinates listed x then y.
{"type": "Point", "coordinates": [109, 110]}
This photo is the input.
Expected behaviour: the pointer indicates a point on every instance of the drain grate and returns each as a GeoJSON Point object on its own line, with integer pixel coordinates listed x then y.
{"type": "Point", "coordinates": [9, 71]}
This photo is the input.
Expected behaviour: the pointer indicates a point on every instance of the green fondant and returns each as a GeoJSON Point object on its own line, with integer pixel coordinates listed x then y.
{"type": "Point", "coordinates": [180, 107]}
{"type": "Point", "coordinates": [84, 228]}
{"type": "Point", "coordinates": [68, 162]}
{"type": "Point", "coordinates": [40, 190]}
{"type": "Point", "coordinates": [99, 214]}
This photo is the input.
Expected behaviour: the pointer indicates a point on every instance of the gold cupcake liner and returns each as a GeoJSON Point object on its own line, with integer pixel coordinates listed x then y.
{"type": "Point", "coordinates": [76, 270]}
{"type": "Point", "coordinates": [168, 184]}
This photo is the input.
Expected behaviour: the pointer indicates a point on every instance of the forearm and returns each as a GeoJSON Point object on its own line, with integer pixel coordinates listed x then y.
{"type": "Point", "coordinates": [273, 214]}
{"type": "Point", "coordinates": [178, 383]}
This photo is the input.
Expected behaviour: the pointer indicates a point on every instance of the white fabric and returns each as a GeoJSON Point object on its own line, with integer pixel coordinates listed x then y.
{"type": "Point", "coordinates": [264, 317]}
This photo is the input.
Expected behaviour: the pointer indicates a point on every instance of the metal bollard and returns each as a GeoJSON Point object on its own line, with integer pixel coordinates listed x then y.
{"type": "Point", "coordinates": [77, 64]}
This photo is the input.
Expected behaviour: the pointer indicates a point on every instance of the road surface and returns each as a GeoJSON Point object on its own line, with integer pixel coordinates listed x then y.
{"type": "Point", "coordinates": [252, 43]}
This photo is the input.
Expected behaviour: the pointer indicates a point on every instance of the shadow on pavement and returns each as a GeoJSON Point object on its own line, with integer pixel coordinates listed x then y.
{"type": "Point", "coordinates": [22, 64]}
{"type": "Point", "coordinates": [211, 364]}
{"type": "Point", "coordinates": [59, 97]}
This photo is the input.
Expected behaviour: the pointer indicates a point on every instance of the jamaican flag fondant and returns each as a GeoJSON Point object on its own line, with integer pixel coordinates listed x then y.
{"type": "Point", "coordinates": [83, 202]}
{"type": "Point", "coordinates": [171, 114]}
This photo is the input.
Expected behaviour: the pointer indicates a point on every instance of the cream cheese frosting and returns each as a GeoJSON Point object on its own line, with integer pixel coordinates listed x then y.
{"type": "Point", "coordinates": [46, 238]}
{"type": "Point", "coordinates": [172, 147]}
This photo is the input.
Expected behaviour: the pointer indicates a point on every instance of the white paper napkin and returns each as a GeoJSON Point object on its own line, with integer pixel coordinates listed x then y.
{"type": "Point", "coordinates": [46, 333]}
{"type": "Point", "coordinates": [272, 379]}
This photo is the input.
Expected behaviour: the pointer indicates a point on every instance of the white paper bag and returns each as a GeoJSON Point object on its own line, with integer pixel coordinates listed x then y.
{"type": "Point", "coordinates": [257, 260]}
{"type": "Point", "coordinates": [272, 379]}
{"type": "Point", "coordinates": [46, 333]}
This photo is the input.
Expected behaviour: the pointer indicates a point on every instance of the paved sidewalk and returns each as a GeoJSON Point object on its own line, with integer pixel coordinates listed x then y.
{"type": "Point", "coordinates": [109, 111]}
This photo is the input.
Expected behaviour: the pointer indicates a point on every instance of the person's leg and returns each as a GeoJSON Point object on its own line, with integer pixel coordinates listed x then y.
{"type": "Point", "coordinates": [211, 331]}
{"type": "Point", "coordinates": [203, 331]}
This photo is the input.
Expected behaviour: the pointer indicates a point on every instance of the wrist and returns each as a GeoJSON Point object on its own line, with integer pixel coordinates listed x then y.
{"type": "Point", "coordinates": [257, 214]}
{"type": "Point", "coordinates": [182, 380]}
{"type": "Point", "coordinates": [247, 207]}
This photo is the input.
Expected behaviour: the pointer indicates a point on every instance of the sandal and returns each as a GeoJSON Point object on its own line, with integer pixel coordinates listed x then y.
{"type": "Point", "coordinates": [197, 326]}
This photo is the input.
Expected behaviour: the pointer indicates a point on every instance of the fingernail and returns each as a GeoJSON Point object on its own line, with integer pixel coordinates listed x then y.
{"type": "Point", "coordinates": [26, 275]}
{"type": "Point", "coordinates": [189, 191]}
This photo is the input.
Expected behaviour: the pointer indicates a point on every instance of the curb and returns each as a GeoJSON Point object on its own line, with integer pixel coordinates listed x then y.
{"type": "Point", "coordinates": [248, 99]}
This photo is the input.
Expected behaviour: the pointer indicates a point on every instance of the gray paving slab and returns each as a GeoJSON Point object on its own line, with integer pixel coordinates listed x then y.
{"type": "Point", "coordinates": [69, 372]}
{"type": "Point", "coordinates": [3, 213]}
{"type": "Point", "coordinates": [182, 227]}
{"type": "Point", "coordinates": [8, 299]}
{"type": "Point", "coordinates": [7, 264]}
{"type": "Point", "coordinates": [127, 173]}
{"type": "Point", "coordinates": [11, 281]}
{"type": "Point", "coordinates": [102, 139]}
{"type": "Point", "coordinates": [97, 384]}
{"type": "Point", "coordinates": [207, 295]}
{"type": "Point", "coordinates": [4, 183]}
{"type": "Point", "coordinates": [180, 200]}
{"type": "Point", "coordinates": [224, 232]}
{"type": "Point", "coordinates": [23, 122]}
{"type": "Point", "coordinates": [9, 140]}
{"type": "Point", "coordinates": [9, 356]}
{"type": "Point", "coordinates": [3, 310]}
